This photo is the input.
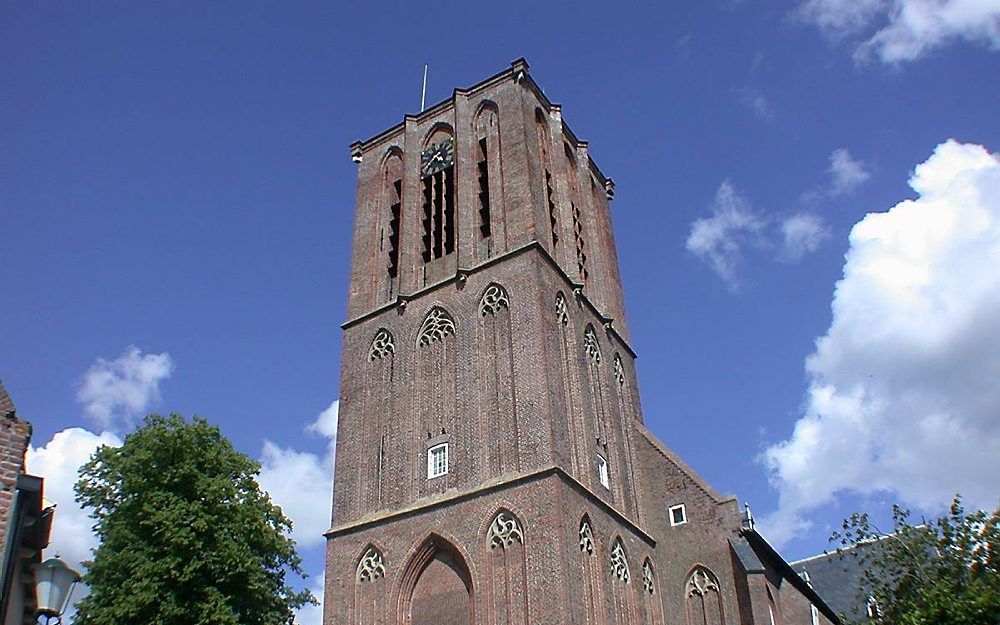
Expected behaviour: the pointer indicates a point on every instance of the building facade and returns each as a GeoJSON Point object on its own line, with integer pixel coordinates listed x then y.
{"type": "Point", "coordinates": [25, 519]}
{"type": "Point", "coordinates": [492, 464]}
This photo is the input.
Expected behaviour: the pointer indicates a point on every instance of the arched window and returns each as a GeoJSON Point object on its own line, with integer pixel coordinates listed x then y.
{"type": "Point", "coordinates": [487, 164]}
{"type": "Point", "coordinates": [619, 562]}
{"type": "Point", "coordinates": [561, 315]}
{"type": "Point", "coordinates": [392, 200]}
{"type": "Point", "coordinates": [437, 174]}
{"type": "Point", "coordinates": [382, 346]}
{"type": "Point", "coordinates": [772, 609]}
{"type": "Point", "coordinates": [590, 344]}
{"type": "Point", "coordinates": [619, 370]}
{"type": "Point", "coordinates": [648, 580]}
{"type": "Point", "coordinates": [437, 325]}
{"type": "Point", "coordinates": [542, 132]}
{"type": "Point", "coordinates": [573, 180]}
{"type": "Point", "coordinates": [703, 601]}
{"type": "Point", "coordinates": [370, 568]}
{"type": "Point", "coordinates": [494, 298]}
{"type": "Point", "coordinates": [586, 537]}
{"type": "Point", "coordinates": [504, 531]}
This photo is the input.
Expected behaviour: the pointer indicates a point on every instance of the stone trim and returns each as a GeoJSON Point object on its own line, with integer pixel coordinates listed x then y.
{"type": "Point", "coordinates": [463, 272]}
{"type": "Point", "coordinates": [453, 497]}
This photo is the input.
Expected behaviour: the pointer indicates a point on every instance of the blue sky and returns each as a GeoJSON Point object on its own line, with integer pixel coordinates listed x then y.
{"type": "Point", "coordinates": [175, 178]}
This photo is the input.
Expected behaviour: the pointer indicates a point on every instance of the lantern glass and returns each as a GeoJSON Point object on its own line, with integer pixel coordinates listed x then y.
{"type": "Point", "coordinates": [54, 582]}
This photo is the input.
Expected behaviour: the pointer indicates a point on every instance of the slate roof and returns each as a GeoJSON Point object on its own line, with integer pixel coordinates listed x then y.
{"type": "Point", "coordinates": [835, 577]}
{"type": "Point", "coordinates": [753, 551]}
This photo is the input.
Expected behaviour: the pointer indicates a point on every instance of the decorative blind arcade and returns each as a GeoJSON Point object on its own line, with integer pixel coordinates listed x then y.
{"type": "Point", "coordinates": [438, 175]}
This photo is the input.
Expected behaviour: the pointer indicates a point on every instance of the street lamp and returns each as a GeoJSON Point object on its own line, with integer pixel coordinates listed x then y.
{"type": "Point", "coordinates": [54, 583]}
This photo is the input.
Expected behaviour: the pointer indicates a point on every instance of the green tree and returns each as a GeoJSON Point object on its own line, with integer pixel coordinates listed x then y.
{"type": "Point", "coordinates": [187, 535]}
{"type": "Point", "coordinates": [943, 572]}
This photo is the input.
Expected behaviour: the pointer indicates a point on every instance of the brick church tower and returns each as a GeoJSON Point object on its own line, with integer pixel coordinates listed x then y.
{"type": "Point", "coordinates": [492, 462]}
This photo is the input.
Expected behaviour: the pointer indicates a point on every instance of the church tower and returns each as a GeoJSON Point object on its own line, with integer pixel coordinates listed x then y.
{"type": "Point", "coordinates": [492, 464]}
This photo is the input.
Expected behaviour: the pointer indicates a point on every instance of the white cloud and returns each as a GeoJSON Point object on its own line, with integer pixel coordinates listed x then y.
{"type": "Point", "coordinates": [312, 614]}
{"type": "Point", "coordinates": [114, 391]}
{"type": "Point", "coordinates": [903, 396]}
{"type": "Point", "coordinates": [801, 233]}
{"type": "Point", "coordinates": [302, 482]}
{"type": "Point", "coordinates": [758, 104]}
{"type": "Point", "coordinates": [719, 240]}
{"type": "Point", "coordinates": [896, 31]}
{"type": "Point", "coordinates": [59, 462]}
{"type": "Point", "coordinates": [846, 174]}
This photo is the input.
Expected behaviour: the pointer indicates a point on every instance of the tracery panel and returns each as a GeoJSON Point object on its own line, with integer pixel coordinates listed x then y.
{"type": "Point", "coordinates": [435, 396]}
{"type": "Point", "coordinates": [507, 573]}
{"type": "Point", "coordinates": [499, 436]}
{"type": "Point", "coordinates": [702, 598]}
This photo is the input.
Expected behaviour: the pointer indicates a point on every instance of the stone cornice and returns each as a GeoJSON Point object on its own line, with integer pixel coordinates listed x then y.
{"type": "Point", "coordinates": [463, 272]}
{"type": "Point", "coordinates": [450, 498]}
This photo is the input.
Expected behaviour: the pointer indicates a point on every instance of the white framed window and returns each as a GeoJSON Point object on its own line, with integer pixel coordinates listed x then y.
{"type": "Point", "coordinates": [437, 461]}
{"type": "Point", "coordinates": [602, 471]}
{"type": "Point", "coordinates": [677, 514]}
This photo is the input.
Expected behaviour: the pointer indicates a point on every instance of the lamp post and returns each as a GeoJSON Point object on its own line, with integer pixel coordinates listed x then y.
{"type": "Point", "coordinates": [54, 583]}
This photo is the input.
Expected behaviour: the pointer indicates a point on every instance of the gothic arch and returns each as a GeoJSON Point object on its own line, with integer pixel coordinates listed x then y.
{"type": "Point", "coordinates": [562, 313]}
{"type": "Point", "coordinates": [391, 151]}
{"type": "Point", "coordinates": [504, 530]}
{"type": "Point", "coordinates": [493, 299]}
{"type": "Point", "coordinates": [389, 210]}
{"type": "Point", "coordinates": [618, 560]}
{"type": "Point", "coordinates": [774, 610]}
{"type": "Point", "coordinates": [648, 577]}
{"type": "Point", "coordinates": [383, 345]}
{"type": "Point", "coordinates": [650, 589]}
{"type": "Point", "coordinates": [438, 565]}
{"type": "Point", "coordinates": [483, 112]}
{"type": "Point", "coordinates": [621, 592]}
{"type": "Point", "coordinates": [375, 424]}
{"type": "Point", "coordinates": [498, 438]}
{"type": "Point", "coordinates": [489, 179]}
{"type": "Point", "coordinates": [505, 574]}
{"type": "Point", "coordinates": [437, 198]}
{"type": "Point", "coordinates": [436, 382]}
{"type": "Point", "coordinates": [438, 324]}
{"type": "Point", "coordinates": [369, 565]}
{"type": "Point", "coordinates": [591, 571]}
{"type": "Point", "coordinates": [370, 587]}
{"type": "Point", "coordinates": [438, 132]}
{"type": "Point", "coordinates": [585, 536]}
{"type": "Point", "coordinates": [623, 400]}
{"type": "Point", "coordinates": [591, 345]}
{"type": "Point", "coordinates": [702, 597]}
{"type": "Point", "coordinates": [544, 138]}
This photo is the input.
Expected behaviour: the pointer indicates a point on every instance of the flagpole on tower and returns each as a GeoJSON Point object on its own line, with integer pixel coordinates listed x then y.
{"type": "Point", "coordinates": [423, 90]}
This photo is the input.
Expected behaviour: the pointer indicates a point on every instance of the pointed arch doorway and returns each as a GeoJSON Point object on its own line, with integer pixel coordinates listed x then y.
{"type": "Point", "coordinates": [437, 587]}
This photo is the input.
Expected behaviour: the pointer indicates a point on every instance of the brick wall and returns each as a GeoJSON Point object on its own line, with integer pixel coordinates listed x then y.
{"type": "Point", "coordinates": [519, 361]}
{"type": "Point", "coordinates": [15, 435]}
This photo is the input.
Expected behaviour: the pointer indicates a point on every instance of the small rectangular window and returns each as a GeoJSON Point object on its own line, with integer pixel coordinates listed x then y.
{"type": "Point", "coordinates": [602, 471]}
{"type": "Point", "coordinates": [678, 515]}
{"type": "Point", "coordinates": [437, 461]}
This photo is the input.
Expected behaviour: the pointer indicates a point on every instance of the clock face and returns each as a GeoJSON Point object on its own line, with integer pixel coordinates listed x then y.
{"type": "Point", "coordinates": [436, 157]}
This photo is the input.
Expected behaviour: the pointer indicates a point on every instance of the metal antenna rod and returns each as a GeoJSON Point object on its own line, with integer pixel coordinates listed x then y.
{"type": "Point", "coordinates": [423, 90]}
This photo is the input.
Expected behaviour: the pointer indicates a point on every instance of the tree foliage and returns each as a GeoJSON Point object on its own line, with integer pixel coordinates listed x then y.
{"type": "Point", "coordinates": [944, 572]}
{"type": "Point", "coordinates": [187, 537]}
